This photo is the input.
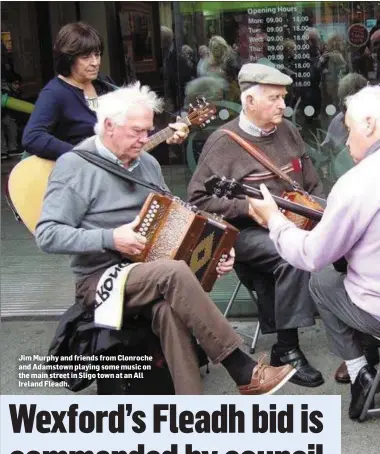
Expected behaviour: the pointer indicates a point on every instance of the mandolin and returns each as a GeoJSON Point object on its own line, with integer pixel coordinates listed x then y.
{"type": "Point", "coordinates": [222, 187]}
{"type": "Point", "coordinates": [28, 180]}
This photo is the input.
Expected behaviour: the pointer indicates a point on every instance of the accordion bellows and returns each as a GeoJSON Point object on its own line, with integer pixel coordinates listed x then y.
{"type": "Point", "coordinates": [174, 231]}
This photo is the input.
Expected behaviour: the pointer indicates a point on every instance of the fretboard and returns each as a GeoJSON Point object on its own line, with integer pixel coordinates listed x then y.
{"type": "Point", "coordinates": [158, 138]}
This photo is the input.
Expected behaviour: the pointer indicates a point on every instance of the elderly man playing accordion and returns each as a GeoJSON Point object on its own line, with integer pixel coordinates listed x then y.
{"type": "Point", "coordinates": [91, 214]}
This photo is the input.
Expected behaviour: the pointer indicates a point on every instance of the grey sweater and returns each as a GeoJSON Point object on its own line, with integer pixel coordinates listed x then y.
{"type": "Point", "coordinates": [84, 203]}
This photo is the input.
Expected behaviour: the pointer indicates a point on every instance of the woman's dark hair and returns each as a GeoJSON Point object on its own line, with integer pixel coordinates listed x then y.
{"type": "Point", "coordinates": [74, 40]}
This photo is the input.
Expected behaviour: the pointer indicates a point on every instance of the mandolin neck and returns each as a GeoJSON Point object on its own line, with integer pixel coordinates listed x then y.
{"type": "Point", "coordinates": [285, 204]}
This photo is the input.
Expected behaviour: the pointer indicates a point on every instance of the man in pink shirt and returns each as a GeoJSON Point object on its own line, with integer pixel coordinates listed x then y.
{"type": "Point", "coordinates": [349, 303]}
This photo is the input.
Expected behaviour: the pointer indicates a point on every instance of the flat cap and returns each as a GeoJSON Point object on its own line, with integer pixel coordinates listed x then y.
{"type": "Point", "coordinates": [257, 73]}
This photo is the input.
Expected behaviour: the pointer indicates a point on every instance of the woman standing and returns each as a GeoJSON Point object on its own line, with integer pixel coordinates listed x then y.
{"type": "Point", "coordinates": [64, 113]}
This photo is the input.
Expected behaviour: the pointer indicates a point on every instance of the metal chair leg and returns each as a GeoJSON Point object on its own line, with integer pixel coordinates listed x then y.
{"type": "Point", "coordinates": [242, 333]}
{"type": "Point", "coordinates": [257, 329]}
{"type": "Point", "coordinates": [255, 337]}
{"type": "Point", "coordinates": [366, 410]}
{"type": "Point", "coordinates": [232, 299]}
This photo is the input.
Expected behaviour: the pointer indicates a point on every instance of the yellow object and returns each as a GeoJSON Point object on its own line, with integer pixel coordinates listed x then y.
{"type": "Point", "coordinates": [16, 104]}
{"type": "Point", "coordinates": [27, 185]}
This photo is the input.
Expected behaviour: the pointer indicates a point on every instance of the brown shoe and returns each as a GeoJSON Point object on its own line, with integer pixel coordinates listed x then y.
{"type": "Point", "coordinates": [341, 374]}
{"type": "Point", "coordinates": [267, 379]}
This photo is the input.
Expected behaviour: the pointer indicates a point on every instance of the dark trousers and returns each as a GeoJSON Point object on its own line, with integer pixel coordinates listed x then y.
{"type": "Point", "coordinates": [284, 298]}
{"type": "Point", "coordinates": [344, 320]}
{"type": "Point", "coordinates": [180, 308]}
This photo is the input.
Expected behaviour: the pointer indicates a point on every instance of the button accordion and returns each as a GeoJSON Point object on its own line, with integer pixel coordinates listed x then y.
{"type": "Point", "coordinates": [174, 230]}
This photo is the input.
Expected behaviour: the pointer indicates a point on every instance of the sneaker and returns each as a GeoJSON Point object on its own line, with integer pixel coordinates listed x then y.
{"type": "Point", "coordinates": [267, 379]}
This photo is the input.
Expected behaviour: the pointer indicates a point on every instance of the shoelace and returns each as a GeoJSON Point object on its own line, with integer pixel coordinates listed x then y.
{"type": "Point", "coordinates": [261, 366]}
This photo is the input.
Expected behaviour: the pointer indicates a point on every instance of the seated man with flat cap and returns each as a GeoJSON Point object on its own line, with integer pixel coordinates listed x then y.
{"type": "Point", "coordinates": [285, 304]}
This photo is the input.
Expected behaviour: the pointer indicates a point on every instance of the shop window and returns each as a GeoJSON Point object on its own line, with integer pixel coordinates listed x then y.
{"type": "Point", "coordinates": [138, 36]}
{"type": "Point", "coordinates": [318, 44]}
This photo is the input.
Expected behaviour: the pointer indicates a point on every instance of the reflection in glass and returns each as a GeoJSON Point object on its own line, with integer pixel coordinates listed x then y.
{"type": "Point", "coordinates": [318, 44]}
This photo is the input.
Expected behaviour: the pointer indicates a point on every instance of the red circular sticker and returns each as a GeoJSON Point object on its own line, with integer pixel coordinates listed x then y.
{"type": "Point", "coordinates": [358, 35]}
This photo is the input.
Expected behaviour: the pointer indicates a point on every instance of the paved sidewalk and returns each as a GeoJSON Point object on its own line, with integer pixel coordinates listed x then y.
{"type": "Point", "coordinates": [39, 286]}
{"type": "Point", "coordinates": [33, 337]}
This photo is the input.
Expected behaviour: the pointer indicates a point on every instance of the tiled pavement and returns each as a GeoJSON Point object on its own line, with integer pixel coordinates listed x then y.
{"type": "Point", "coordinates": [40, 285]}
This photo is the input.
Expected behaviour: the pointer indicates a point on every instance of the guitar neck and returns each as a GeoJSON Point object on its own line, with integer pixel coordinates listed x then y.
{"type": "Point", "coordinates": [285, 204]}
{"type": "Point", "coordinates": [162, 135]}
{"type": "Point", "coordinates": [158, 138]}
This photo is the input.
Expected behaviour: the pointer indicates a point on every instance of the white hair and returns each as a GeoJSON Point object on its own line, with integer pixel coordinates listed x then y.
{"type": "Point", "coordinates": [365, 103]}
{"type": "Point", "coordinates": [255, 90]}
{"type": "Point", "coordinates": [117, 104]}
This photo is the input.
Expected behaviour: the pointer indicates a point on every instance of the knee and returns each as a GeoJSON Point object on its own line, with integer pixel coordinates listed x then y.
{"type": "Point", "coordinates": [285, 270]}
{"type": "Point", "coordinates": [177, 269]}
{"type": "Point", "coordinates": [318, 286]}
{"type": "Point", "coordinates": [160, 312]}
{"type": "Point", "coordinates": [313, 285]}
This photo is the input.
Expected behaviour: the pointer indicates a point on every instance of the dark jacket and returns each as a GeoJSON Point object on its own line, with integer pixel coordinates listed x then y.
{"type": "Point", "coordinates": [77, 334]}
{"type": "Point", "coordinates": [61, 118]}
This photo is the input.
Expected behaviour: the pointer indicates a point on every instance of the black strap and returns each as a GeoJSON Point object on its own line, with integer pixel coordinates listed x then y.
{"type": "Point", "coordinates": [117, 170]}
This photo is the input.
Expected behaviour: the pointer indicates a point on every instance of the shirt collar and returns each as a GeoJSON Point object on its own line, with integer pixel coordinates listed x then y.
{"type": "Point", "coordinates": [251, 129]}
{"type": "Point", "coordinates": [107, 154]}
{"type": "Point", "coordinates": [374, 147]}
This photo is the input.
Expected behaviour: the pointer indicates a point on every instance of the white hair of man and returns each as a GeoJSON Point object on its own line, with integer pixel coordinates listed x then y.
{"type": "Point", "coordinates": [364, 104]}
{"type": "Point", "coordinates": [255, 90]}
{"type": "Point", "coordinates": [117, 104]}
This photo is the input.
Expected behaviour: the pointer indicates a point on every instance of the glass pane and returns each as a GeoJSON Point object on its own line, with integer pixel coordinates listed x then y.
{"type": "Point", "coordinates": [137, 35]}
{"type": "Point", "coordinates": [329, 49]}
